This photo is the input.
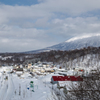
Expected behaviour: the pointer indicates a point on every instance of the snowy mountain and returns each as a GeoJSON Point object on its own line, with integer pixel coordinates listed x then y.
{"type": "Point", "coordinates": [74, 43]}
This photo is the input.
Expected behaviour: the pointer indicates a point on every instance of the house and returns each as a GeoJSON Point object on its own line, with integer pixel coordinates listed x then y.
{"type": "Point", "coordinates": [29, 66]}
{"type": "Point", "coordinates": [14, 68]}
{"type": "Point", "coordinates": [19, 71]}
{"type": "Point", "coordinates": [55, 79]}
{"type": "Point", "coordinates": [49, 70]}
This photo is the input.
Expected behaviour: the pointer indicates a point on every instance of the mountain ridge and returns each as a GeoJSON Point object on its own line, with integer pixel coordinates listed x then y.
{"type": "Point", "coordinates": [73, 43]}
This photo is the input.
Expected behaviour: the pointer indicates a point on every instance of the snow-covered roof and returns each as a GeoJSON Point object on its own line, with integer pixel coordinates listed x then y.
{"type": "Point", "coordinates": [19, 72]}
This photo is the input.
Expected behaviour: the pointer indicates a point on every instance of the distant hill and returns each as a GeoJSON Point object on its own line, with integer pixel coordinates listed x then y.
{"type": "Point", "coordinates": [73, 43]}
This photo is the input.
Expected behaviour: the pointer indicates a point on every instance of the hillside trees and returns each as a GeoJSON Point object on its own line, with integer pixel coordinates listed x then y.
{"type": "Point", "coordinates": [52, 56]}
{"type": "Point", "coordinates": [88, 89]}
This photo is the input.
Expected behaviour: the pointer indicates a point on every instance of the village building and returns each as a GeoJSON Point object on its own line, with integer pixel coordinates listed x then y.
{"type": "Point", "coordinates": [55, 79]}
{"type": "Point", "coordinates": [19, 71]}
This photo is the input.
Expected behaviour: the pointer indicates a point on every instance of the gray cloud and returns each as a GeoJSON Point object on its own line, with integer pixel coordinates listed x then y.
{"type": "Point", "coordinates": [76, 26]}
{"type": "Point", "coordinates": [40, 25]}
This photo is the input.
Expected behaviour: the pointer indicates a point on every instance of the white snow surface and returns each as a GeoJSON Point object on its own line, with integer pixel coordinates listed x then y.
{"type": "Point", "coordinates": [16, 88]}
{"type": "Point", "coordinates": [81, 37]}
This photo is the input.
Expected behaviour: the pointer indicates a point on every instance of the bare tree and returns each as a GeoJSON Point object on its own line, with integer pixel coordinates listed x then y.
{"type": "Point", "coordinates": [88, 89]}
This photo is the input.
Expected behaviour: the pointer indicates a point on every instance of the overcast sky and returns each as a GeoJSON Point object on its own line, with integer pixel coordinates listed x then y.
{"type": "Point", "coordinates": [27, 25]}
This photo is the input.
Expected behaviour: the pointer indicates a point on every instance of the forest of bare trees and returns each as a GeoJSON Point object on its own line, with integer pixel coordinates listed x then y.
{"type": "Point", "coordinates": [57, 57]}
{"type": "Point", "coordinates": [88, 89]}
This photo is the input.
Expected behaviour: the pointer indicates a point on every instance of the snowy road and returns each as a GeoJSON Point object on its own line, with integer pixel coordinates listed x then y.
{"type": "Point", "coordinates": [10, 89]}
{"type": "Point", "coordinates": [3, 90]}
{"type": "Point", "coordinates": [6, 90]}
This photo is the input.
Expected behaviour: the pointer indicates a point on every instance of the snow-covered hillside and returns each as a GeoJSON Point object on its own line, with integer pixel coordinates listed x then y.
{"type": "Point", "coordinates": [74, 43]}
{"type": "Point", "coordinates": [88, 61]}
{"type": "Point", "coordinates": [78, 42]}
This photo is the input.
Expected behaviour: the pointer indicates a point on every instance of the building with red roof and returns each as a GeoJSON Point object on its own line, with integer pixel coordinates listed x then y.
{"type": "Point", "coordinates": [55, 79]}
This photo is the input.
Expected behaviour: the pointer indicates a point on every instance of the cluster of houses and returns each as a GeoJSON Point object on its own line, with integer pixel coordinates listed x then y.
{"type": "Point", "coordinates": [41, 68]}
{"type": "Point", "coordinates": [60, 76]}
{"type": "Point", "coordinates": [38, 68]}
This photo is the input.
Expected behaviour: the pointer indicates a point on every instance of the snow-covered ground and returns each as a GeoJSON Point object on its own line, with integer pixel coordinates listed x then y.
{"type": "Point", "coordinates": [18, 88]}
{"type": "Point", "coordinates": [23, 91]}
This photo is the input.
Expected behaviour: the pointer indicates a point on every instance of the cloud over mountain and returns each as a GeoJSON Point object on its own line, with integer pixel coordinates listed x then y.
{"type": "Point", "coordinates": [48, 22]}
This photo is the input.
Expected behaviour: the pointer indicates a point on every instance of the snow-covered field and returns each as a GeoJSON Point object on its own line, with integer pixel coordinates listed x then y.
{"type": "Point", "coordinates": [18, 88]}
